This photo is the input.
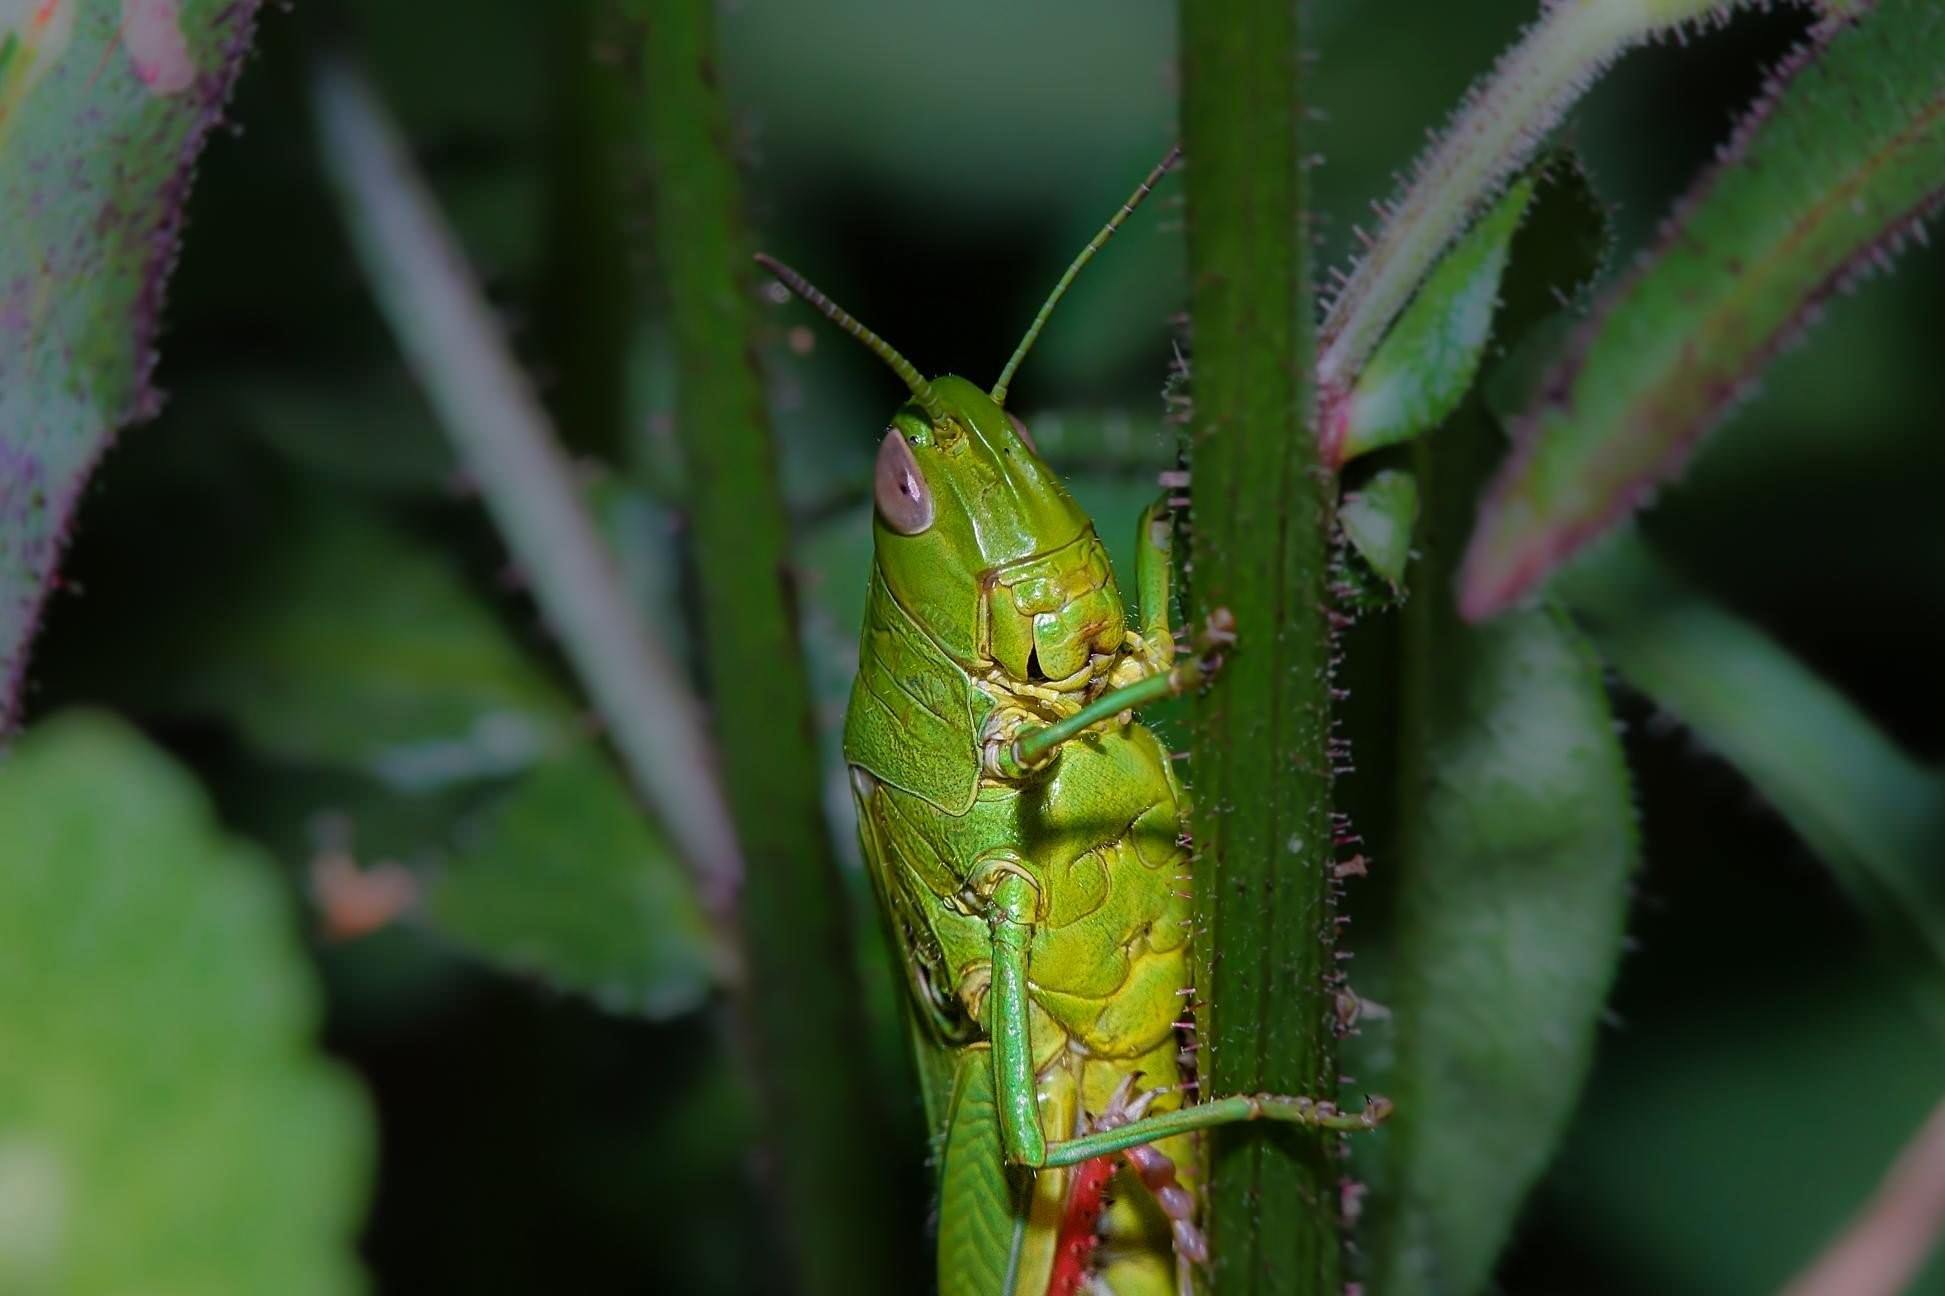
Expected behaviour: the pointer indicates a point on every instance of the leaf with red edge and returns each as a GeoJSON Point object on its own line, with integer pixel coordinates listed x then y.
{"type": "Point", "coordinates": [104, 106]}
{"type": "Point", "coordinates": [1842, 158]}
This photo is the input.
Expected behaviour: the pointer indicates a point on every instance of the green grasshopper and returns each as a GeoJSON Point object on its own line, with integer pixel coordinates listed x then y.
{"type": "Point", "coordinates": [1025, 838]}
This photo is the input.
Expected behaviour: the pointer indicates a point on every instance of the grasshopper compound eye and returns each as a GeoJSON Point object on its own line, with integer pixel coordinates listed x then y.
{"type": "Point", "coordinates": [904, 500]}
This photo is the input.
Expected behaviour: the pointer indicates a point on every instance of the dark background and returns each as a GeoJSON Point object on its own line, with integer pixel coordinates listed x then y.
{"type": "Point", "coordinates": [933, 167]}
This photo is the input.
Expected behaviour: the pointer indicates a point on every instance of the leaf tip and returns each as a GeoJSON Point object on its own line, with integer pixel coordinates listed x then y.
{"type": "Point", "coordinates": [1509, 554]}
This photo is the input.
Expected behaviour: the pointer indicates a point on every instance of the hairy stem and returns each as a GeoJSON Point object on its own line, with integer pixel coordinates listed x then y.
{"type": "Point", "coordinates": [1262, 768]}
{"type": "Point", "coordinates": [825, 1123]}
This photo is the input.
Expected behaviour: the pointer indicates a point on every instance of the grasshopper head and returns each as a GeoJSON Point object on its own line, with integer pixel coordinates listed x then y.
{"type": "Point", "coordinates": [976, 537]}
{"type": "Point", "coordinates": [983, 546]}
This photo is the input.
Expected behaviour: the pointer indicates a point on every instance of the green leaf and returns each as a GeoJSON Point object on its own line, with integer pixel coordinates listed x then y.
{"type": "Point", "coordinates": [1874, 815]}
{"type": "Point", "coordinates": [1840, 159]}
{"type": "Point", "coordinates": [165, 1122]}
{"type": "Point", "coordinates": [355, 646]}
{"type": "Point", "coordinates": [372, 434]}
{"type": "Point", "coordinates": [563, 879]}
{"type": "Point", "coordinates": [103, 110]}
{"type": "Point", "coordinates": [1731, 1104]}
{"type": "Point", "coordinates": [1378, 518]}
{"type": "Point", "coordinates": [1425, 364]}
{"type": "Point", "coordinates": [1512, 876]}
{"type": "Point", "coordinates": [1097, 442]}
{"type": "Point", "coordinates": [1502, 122]}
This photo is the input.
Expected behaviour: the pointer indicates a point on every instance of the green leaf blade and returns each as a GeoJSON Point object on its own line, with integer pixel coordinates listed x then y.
{"type": "Point", "coordinates": [1425, 364]}
{"type": "Point", "coordinates": [102, 115]}
{"type": "Point", "coordinates": [160, 1097]}
{"type": "Point", "coordinates": [1513, 876]}
{"type": "Point", "coordinates": [1378, 518]}
{"type": "Point", "coordinates": [563, 880]}
{"type": "Point", "coordinates": [349, 644]}
{"type": "Point", "coordinates": [1845, 154]}
{"type": "Point", "coordinates": [1875, 816]}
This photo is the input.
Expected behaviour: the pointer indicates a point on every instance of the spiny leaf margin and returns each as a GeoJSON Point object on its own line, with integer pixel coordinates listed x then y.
{"type": "Point", "coordinates": [1422, 369]}
{"type": "Point", "coordinates": [1502, 123]}
{"type": "Point", "coordinates": [1858, 115]}
{"type": "Point", "coordinates": [98, 149]}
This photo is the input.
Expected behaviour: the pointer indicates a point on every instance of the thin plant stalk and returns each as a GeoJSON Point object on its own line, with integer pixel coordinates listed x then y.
{"type": "Point", "coordinates": [1261, 772]}
{"type": "Point", "coordinates": [827, 1121]}
{"type": "Point", "coordinates": [487, 406]}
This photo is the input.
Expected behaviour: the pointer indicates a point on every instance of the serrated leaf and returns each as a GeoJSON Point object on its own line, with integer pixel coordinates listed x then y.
{"type": "Point", "coordinates": [1874, 815]}
{"type": "Point", "coordinates": [1844, 154]}
{"type": "Point", "coordinates": [1378, 518]}
{"type": "Point", "coordinates": [166, 1124]}
{"type": "Point", "coordinates": [355, 646]}
{"type": "Point", "coordinates": [103, 110]}
{"type": "Point", "coordinates": [564, 879]}
{"type": "Point", "coordinates": [1422, 369]}
{"type": "Point", "coordinates": [1512, 875]}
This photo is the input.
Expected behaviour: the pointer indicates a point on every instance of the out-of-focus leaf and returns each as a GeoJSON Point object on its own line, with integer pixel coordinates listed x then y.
{"type": "Point", "coordinates": [103, 110]}
{"type": "Point", "coordinates": [367, 432]}
{"type": "Point", "coordinates": [1874, 815]}
{"type": "Point", "coordinates": [1735, 1144]}
{"type": "Point", "coordinates": [1378, 518]}
{"type": "Point", "coordinates": [1421, 371]}
{"type": "Point", "coordinates": [1518, 842]}
{"type": "Point", "coordinates": [1842, 157]}
{"type": "Point", "coordinates": [488, 407]}
{"type": "Point", "coordinates": [164, 1123]}
{"type": "Point", "coordinates": [563, 879]}
{"type": "Point", "coordinates": [356, 647]}
{"type": "Point", "coordinates": [1081, 442]}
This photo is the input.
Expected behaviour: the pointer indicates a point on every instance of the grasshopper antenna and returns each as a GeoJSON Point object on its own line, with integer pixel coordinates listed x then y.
{"type": "Point", "coordinates": [1094, 245]}
{"type": "Point", "coordinates": [922, 392]}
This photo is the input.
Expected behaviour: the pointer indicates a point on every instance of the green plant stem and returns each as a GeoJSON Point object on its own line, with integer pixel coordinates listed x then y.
{"type": "Point", "coordinates": [825, 1123]}
{"type": "Point", "coordinates": [486, 405]}
{"type": "Point", "coordinates": [1261, 762]}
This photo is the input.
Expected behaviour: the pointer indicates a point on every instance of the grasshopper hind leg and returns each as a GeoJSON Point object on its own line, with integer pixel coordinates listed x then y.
{"type": "Point", "coordinates": [1150, 1243]}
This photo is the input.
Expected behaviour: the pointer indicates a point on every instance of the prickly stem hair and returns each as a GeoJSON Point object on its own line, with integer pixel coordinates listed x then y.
{"type": "Point", "coordinates": [928, 400]}
{"type": "Point", "coordinates": [1094, 245]}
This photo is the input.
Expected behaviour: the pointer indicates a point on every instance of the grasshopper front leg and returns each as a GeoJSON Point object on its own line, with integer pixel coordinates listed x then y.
{"type": "Point", "coordinates": [1150, 674]}
{"type": "Point", "coordinates": [1155, 580]}
{"type": "Point", "coordinates": [1014, 756]}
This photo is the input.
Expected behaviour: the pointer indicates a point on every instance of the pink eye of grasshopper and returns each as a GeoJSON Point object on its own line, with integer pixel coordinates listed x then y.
{"type": "Point", "coordinates": [904, 500]}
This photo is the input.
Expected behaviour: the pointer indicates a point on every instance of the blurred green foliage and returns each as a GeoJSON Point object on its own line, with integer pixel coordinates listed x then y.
{"type": "Point", "coordinates": [165, 1123]}
{"type": "Point", "coordinates": [261, 575]}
